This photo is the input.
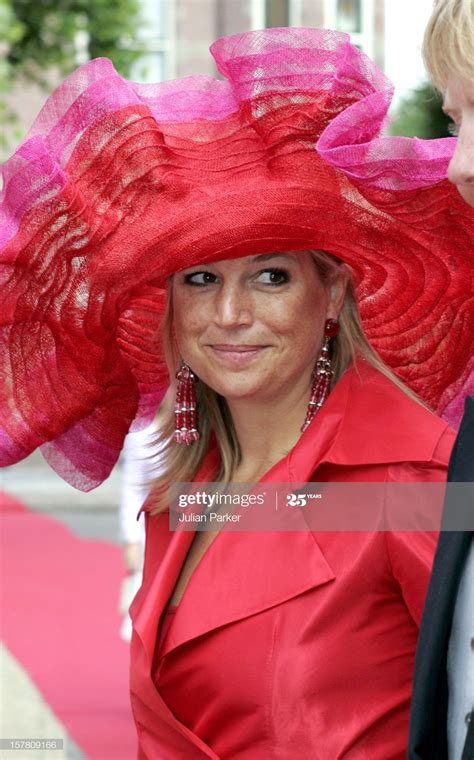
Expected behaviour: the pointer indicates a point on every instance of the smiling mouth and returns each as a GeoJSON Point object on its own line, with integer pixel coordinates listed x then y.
{"type": "Point", "coordinates": [235, 348]}
{"type": "Point", "coordinates": [236, 354]}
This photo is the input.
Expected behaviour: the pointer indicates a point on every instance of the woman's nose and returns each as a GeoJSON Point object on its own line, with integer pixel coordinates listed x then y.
{"type": "Point", "coordinates": [461, 166]}
{"type": "Point", "coordinates": [233, 306]}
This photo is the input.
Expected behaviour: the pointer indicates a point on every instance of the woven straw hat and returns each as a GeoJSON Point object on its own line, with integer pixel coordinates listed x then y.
{"type": "Point", "coordinates": [118, 185]}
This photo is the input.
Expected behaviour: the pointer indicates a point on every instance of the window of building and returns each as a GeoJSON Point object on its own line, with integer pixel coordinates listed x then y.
{"type": "Point", "coordinates": [277, 13]}
{"type": "Point", "coordinates": [356, 17]}
{"type": "Point", "coordinates": [348, 17]}
{"type": "Point", "coordinates": [271, 13]}
{"type": "Point", "coordinates": [156, 34]}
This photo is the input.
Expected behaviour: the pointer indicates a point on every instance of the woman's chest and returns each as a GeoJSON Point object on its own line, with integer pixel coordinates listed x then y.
{"type": "Point", "coordinates": [202, 540]}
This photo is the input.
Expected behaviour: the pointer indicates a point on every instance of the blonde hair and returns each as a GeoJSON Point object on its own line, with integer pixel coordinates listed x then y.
{"type": "Point", "coordinates": [180, 463]}
{"type": "Point", "coordinates": [448, 45]}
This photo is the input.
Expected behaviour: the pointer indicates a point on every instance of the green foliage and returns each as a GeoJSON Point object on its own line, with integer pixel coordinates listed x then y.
{"type": "Point", "coordinates": [420, 115]}
{"type": "Point", "coordinates": [38, 35]}
{"type": "Point", "coordinates": [46, 33]}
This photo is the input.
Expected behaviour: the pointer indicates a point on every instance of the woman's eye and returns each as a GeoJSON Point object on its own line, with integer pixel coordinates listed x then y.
{"type": "Point", "coordinates": [453, 129]}
{"type": "Point", "coordinates": [274, 276]}
{"type": "Point", "coordinates": [200, 278]}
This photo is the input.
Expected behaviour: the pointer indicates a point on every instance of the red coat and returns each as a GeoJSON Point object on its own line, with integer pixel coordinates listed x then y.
{"type": "Point", "coordinates": [295, 645]}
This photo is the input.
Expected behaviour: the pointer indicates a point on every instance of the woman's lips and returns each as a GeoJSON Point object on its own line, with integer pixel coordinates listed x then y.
{"type": "Point", "coordinates": [237, 354]}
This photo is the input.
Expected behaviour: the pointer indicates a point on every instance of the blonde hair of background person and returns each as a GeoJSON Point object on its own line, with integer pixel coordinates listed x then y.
{"type": "Point", "coordinates": [180, 463]}
{"type": "Point", "coordinates": [448, 45]}
{"type": "Point", "coordinates": [448, 50]}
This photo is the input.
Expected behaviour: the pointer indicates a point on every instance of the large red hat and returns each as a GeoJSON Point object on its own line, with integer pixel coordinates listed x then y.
{"type": "Point", "coordinates": [120, 184]}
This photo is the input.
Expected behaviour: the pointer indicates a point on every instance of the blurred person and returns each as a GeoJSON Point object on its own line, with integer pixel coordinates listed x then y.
{"type": "Point", "coordinates": [310, 267]}
{"type": "Point", "coordinates": [140, 464]}
{"type": "Point", "coordinates": [449, 55]}
{"type": "Point", "coordinates": [134, 491]}
{"type": "Point", "coordinates": [442, 712]}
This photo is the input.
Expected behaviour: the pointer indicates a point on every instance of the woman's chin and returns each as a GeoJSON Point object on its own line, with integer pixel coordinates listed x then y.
{"type": "Point", "coordinates": [240, 386]}
{"type": "Point", "coordinates": [236, 381]}
{"type": "Point", "coordinates": [232, 393]}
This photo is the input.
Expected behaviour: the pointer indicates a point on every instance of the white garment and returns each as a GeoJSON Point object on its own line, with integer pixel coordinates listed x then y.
{"type": "Point", "coordinates": [130, 585]}
{"type": "Point", "coordinates": [139, 467]}
{"type": "Point", "coordinates": [461, 662]}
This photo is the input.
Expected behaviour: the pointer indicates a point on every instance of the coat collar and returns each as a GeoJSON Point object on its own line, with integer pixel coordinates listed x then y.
{"type": "Point", "coordinates": [246, 576]}
{"type": "Point", "coordinates": [345, 432]}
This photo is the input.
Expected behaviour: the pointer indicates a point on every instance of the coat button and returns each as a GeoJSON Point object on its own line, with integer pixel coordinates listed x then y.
{"type": "Point", "coordinates": [468, 718]}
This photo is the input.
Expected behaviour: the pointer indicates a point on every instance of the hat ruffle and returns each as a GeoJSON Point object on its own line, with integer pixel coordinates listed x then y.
{"type": "Point", "coordinates": [118, 185]}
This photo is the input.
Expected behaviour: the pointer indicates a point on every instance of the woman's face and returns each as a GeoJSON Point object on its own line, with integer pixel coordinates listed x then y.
{"type": "Point", "coordinates": [252, 328]}
{"type": "Point", "coordinates": [459, 104]}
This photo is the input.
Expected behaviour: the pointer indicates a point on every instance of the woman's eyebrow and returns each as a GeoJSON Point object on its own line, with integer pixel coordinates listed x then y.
{"type": "Point", "coordinates": [266, 256]}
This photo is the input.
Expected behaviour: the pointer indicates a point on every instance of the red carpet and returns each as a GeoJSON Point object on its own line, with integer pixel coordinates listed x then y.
{"type": "Point", "coordinates": [58, 597]}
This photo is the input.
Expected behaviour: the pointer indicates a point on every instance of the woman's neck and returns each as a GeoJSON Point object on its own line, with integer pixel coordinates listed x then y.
{"type": "Point", "coordinates": [266, 431]}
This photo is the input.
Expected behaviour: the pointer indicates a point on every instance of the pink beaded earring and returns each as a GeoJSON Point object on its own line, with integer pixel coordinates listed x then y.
{"type": "Point", "coordinates": [185, 410]}
{"type": "Point", "coordinates": [322, 374]}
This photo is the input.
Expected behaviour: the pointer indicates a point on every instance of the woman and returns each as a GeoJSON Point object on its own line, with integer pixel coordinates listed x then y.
{"type": "Point", "coordinates": [247, 645]}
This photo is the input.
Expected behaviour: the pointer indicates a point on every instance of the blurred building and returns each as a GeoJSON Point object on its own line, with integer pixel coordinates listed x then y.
{"type": "Point", "coordinates": [177, 33]}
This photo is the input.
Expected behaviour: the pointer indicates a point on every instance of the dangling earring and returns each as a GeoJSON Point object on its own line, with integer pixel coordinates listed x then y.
{"type": "Point", "coordinates": [185, 427]}
{"type": "Point", "coordinates": [322, 374]}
